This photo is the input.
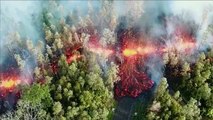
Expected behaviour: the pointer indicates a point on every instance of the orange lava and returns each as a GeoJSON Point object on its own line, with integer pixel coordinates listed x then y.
{"type": "Point", "coordinates": [138, 51]}
{"type": "Point", "coordinates": [9, 83]}
{"type": "Point", "coordinates": [129, 52]}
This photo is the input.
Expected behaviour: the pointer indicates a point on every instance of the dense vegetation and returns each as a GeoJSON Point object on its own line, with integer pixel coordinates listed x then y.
{"type": "Point", "coordinates": [65, 87]}
{"type": "Point", "coordinates": [188, 93]}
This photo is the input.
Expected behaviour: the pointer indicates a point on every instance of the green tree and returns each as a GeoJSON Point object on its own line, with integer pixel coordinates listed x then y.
{"type": "Point", "coordinates": [37, 94]}
{"type": "Point", "coordinates": [194, 81]}
{"type": "Point", "coordinates": [26, 111]}
{"type": "Point", "coordinates": [57, 108]}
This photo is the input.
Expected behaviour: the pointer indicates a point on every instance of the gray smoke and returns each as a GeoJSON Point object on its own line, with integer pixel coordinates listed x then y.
{"type": "Point", "coordinates": [20, 17]}
{"type": "Point", "coordinates": [152, 17]}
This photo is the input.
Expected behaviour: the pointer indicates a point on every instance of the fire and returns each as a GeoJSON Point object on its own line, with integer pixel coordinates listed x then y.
{"type": "Point", "coordinates": [129, 52]}
{"type": "Point", "coordinates": [133, 81]}
{"type": "Point", "coordinates": [138, 51]}
{"type": "Point", "coordinates": [9, 83]}
{"type": "Point", "coordinates": [73, 54]}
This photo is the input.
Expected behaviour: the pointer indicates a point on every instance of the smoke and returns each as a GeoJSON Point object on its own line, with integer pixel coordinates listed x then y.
{"type": "Point", "coordinates": [20, 21]}
{"type": "Point", "coordinates": [155, 22]}
{"type": "Point", "coordinates": [18, 17]}
{"type": "Point", "coordinates": [162, 20]}
{"type": "Point", "coordinates": [151, 25]}
{"type": "Point", "coordinates": [201, 13]}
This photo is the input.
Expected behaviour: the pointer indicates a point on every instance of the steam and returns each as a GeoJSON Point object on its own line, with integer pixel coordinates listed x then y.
{"type": "Point", "coordinates": [19, 21]}
{"type": "Point", "coordinates": [201, 13]}
{"type": "Point", "coordinates": [155, 21]}
{"type": "Point", "coordinates": [18, 17]}
{"type": "Point", "coordinates": [161, 19]}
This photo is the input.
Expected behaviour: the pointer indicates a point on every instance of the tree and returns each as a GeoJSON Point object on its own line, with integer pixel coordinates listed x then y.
{"type": "Point", "coordinates": [37, 94]}
{"type": "Point", "coordinates": [191, 110]}
{"type": "Point", "coordinates": [112, 76]}
{"type": "Point", "coordinates": [57, 108]}
{"type": "Point", "coordinates": [166, 106]}
{"type": "Point", "coordinates": [79, 91]}
{"type": "Point", "coordinates": [20, 61]}
{"type": "Point", "coordinates": [162, 88]}
{"type": "Point", "coordinates": [26, 111]}
{"type": "Point", "coordinates": [194, 83]}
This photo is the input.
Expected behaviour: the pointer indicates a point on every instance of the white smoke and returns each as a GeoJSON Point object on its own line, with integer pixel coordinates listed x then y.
{"type": "Point", "coordinates": [23, 17]}
{"type": "Point", "coordinates": [18, 16]}
{"type": "Point", "coordinates": [201, 12]}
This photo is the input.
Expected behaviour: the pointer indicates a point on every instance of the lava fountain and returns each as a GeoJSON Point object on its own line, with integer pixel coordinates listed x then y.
{"type": "Point", "coordinates": [9, 83]}
{"type": "Point", "coordinates": [133, 81]}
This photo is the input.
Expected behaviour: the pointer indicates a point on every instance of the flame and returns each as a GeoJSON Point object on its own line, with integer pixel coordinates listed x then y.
{"type": "Point", "coordinates": [9, 83]}
{"type": "Point", "coordinates": [133, 81]}
{"type": "Point", "coordinates": [138, 51]}
{"type": "Point", "coordinates": [129, 52]}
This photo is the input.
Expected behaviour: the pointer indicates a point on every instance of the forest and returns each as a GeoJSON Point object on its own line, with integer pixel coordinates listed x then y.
{"type": "Point", "coordinates": [86, 62]}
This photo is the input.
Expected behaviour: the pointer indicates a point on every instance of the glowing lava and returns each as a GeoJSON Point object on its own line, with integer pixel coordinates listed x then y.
{"type": "Point", "coordinates": [73, 54]}
{"type": "Point", "coordinates": [9, 83]}
{"type": "Point", "coordinates": [133, 80]}
{"type": "Point", "coordinates": [129, 52]}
